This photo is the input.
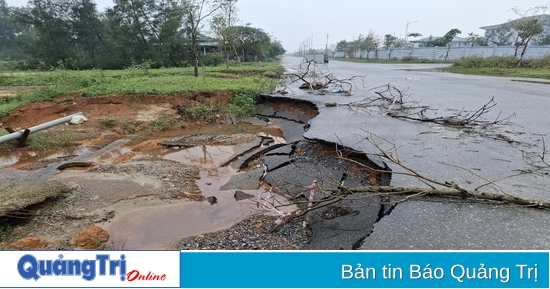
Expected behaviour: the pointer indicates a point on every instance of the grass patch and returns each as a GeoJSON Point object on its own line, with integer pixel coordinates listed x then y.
{"type": "Point", "coordinates": [250, 78]}
{"type": "Point", "coordinates": [107, 122]}
{"type": "Point", "coordinates": [200, 113]}
{"type": "Point", "coordinates": [406, 59]}
{"type": "Point", "coordinates": [162, 123]}
{"type": "Point", "coordinates": [242, 105]}
{"type": "Point", "coordinates": [41, 141]}
{"type": "Point", "coordinates": [130, 127]}
{"type": "Point", "coordinates": [502, 66]}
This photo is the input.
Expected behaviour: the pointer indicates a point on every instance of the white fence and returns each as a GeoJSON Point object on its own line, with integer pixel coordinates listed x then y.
{"type": "Point", "coordinates": [438, 53]}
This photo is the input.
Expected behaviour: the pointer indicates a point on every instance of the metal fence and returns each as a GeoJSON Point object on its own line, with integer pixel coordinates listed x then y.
{"type": "Point", "coordinates": [438, 53]}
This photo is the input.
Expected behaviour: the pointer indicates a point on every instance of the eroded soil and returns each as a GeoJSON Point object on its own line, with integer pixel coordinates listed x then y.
{"type": "Point", "coordinates": [154, 178]}
{"type": "Point", "coordinates": [145, 195]}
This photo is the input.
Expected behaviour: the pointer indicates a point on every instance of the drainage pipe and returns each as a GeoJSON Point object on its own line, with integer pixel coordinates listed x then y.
{"type": "Point", "coordinates": [19, 133]}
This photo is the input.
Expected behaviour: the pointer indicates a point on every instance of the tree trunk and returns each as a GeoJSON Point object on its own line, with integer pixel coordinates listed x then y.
{"type": "Point", "coordinates": [523, 52]}
{"type": "Point", "coordinates": [194, 53]}
{"type": "Point", "coordinates": [447, 54]}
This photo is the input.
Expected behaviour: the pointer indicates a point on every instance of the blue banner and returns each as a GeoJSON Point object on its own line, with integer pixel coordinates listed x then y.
{"type": "Point", "coordinates": [357, 269]}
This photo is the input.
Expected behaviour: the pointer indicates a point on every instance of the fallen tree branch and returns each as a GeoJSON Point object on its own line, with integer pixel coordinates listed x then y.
{"type": "Point", "coordinates": [314, 77]}
{"type": "Point", "coordinates": [451, 192]}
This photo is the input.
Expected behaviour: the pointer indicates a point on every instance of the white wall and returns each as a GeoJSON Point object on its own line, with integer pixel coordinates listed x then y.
{"type": "Point", "coordinates": [438, 53]}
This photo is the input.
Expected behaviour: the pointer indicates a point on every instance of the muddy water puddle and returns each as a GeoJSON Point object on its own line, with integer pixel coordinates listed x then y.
{"type": "Point", "coordinates": [24, 158]}
{"type": "Point", "coordinates": [160, 226]}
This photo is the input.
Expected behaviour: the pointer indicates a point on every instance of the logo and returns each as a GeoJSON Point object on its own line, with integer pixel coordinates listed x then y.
{"type": "Point", "coordinates": [31, 268]}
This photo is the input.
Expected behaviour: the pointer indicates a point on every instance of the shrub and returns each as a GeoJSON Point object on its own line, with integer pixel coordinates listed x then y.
{"type": "Point", "coordinates": [212, 59]}
{"type": "Point", "coordinates": [414, 59]}
{"type": "Point", "coordinates": [242, 105]}
{"type": "Point", "coordinates": [202, 113]}
{"type": "Point", "coordinates": [162, 123]}
{"type": "Point", "coordinates": [107, 122]}
{"type": "Point", "coordinates": [489, 62]}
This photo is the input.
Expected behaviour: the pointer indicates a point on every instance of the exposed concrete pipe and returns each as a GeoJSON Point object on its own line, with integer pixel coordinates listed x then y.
{"type": "Point", "coordinates": [18, 134]}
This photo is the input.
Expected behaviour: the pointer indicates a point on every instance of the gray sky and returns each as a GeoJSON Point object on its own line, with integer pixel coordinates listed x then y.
{"type": "Point", "coordinates": [293, 21]}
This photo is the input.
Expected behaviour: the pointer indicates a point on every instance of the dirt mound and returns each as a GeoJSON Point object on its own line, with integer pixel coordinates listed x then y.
{"type": "Point", "coordinates": [29, 243]}
{"type": "Point", "coordinates": [93, 238]}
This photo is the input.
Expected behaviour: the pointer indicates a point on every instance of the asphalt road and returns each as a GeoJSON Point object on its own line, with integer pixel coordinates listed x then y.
{"type": "Point", "coordinates": [491, 158]}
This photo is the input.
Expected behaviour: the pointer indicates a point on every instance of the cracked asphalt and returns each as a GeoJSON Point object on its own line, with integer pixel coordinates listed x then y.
{"type": "Point", "coordinates": [490, 159]}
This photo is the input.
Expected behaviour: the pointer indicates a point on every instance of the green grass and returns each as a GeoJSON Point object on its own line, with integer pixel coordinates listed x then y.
{"type": "Point", "coordinates": [407, 59]}
{"type": "Point", "coordinates": [502, 66]}
{"type": "Point", "coordinates": [242, 105]}
{"type": "Point", "coordinates": [107, 122]}
{"type": "Point", "coordinates": [40, 141]}
{"type": "Point", "coordinates": [200, 113]}
{"type": "Point", "coordinates": [250, 78]}
{"type": "Point", "coordinates": [543, 73]}
{"type": "Point", "coordinates": [161, 123]}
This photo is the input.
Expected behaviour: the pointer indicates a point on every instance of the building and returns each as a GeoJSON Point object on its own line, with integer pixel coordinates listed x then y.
{"type": "Point", "coordinates": [504, 34]}
{"type": "Point", "coordinates": [428, 41]}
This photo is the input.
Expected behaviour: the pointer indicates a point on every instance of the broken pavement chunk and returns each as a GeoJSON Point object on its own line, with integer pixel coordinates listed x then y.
{"type": "Point", "coordinates": [212, 200]}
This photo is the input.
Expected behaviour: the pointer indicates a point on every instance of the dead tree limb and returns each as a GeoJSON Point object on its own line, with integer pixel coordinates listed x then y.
{"type": "Point", "coordinates": [452, 192]}
{"type": "Point", "coordinates": [390, 195]}
{"type": "Point", "coordinates": [394, 101]}
{"type": "Point", "coordinates": [314, 77]}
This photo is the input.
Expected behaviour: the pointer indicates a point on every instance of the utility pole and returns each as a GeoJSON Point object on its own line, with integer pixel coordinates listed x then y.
{"type": "Point", "coordinates": [326, 46]}
{"type": "Point", "coordinates": [407, 31]}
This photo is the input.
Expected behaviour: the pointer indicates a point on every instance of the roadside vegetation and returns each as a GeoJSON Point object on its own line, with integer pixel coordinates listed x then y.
{"type": "Point", "coordinates": [40, 141]}
{"type": "Point", "coordinates": [244, 79]}
{"type": "Point", "coordinates": [502, 66]}
{"type": "Point", "coordinates": [406, 59]}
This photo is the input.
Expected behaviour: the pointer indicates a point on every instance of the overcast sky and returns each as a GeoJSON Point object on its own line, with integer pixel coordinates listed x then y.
{"type": "Point", "coordinates": [294, 21]}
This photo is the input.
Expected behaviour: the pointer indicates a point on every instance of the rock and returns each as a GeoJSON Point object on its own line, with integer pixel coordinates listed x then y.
{"type": "Point", "coordinates": [93, 238]}
{"type": "Point", "coordinates": [240, 195]}
{"type": "Point", "coordinates": [330, 104]}
{"type": "Point", "coordinates": [78, 119]}
{"type": "Point", "coordinates": [212, 200]}
{"type": "Point", "coordinates": [19, 195]}
{"type": "Point", "coordinates": [29, 243]}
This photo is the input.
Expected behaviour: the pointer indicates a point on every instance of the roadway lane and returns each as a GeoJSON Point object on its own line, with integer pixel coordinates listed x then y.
{"type": "Point", "coordinates": [437, 151]}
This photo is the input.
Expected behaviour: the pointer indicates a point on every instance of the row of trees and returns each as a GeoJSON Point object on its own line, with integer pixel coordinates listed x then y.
{"type": "Point", "coordinates": [364, 44]}
{"type": "Point", "coordinates": [519, 33]}
{"type": "Point", "coordinates": [160, 32]}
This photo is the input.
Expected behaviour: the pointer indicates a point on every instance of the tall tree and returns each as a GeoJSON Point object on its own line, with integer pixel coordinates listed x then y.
{"type": "Point", "coordinates": [50, 21]}
{"type": "Point", "coordinates": [196, 11]}
{"type": "Point", "coordinates": [474, 39]}
{"type": "Point", "coordinates": [372, 42]}
{"type": "Point", "coordinates": [276, 48]}
{"type": "Point", "coordinates": [391, 43]}
{"type": "Point", "coordinates": [6, 28]}
{"type": "Point", "coordinates": [414, 35]}
{"type": "Point", "coordinates": [448, 40]}
{"type": "Point", "coordinates": [86, 31]}
{"type": "Point", "coordinates": [251, 43]}
{"type": "Point", "coordinates": [225, 18]}
{"type": "Point", "coordinates": [527, 27]}
{"type": "Point", "coordinates": [127, 31]}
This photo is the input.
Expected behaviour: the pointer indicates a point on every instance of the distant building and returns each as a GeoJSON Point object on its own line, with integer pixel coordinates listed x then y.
{"type": "Point", "coordinates": [428, 41]}
{"type": "Point", "coordinates": [206, 44]}
{"type": "Point", "coordinates": [504, 34]}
